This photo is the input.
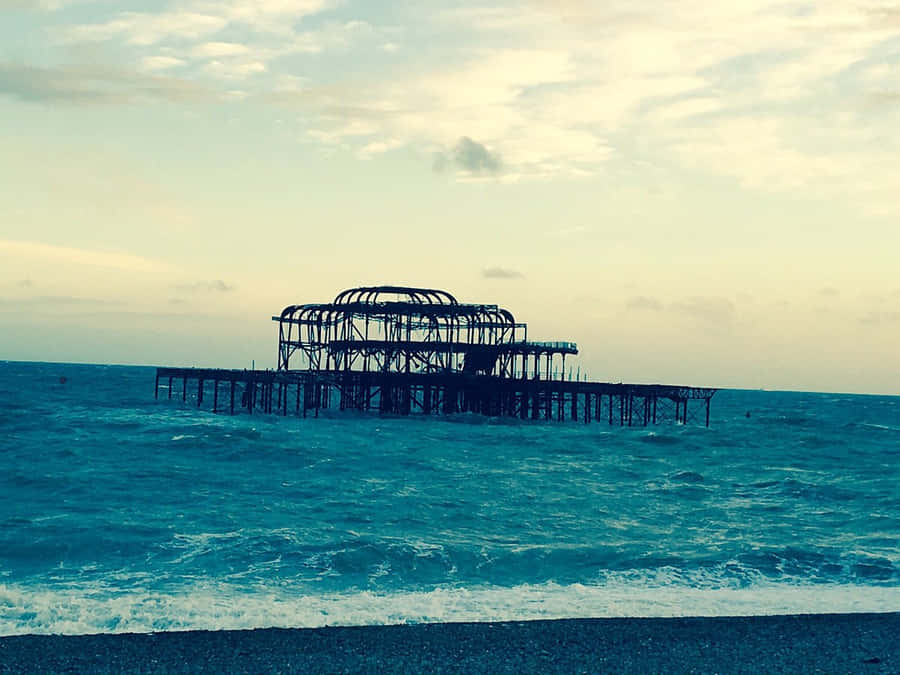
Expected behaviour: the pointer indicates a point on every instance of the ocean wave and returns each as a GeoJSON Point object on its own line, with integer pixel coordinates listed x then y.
{"type": "Point", "coordinates": [214, 605]}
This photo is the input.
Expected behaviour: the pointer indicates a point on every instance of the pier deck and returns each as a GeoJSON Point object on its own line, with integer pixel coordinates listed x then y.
{"type": "Point", "coordinates": [307, 392]}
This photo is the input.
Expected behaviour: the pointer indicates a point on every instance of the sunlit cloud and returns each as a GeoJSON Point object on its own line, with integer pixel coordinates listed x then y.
{"type": "Point", "coordinates": [96, 85]}
{"type": "Point", "coordinates": [160, 62]}
{"type": "Point", "coordinates": [110, 259]}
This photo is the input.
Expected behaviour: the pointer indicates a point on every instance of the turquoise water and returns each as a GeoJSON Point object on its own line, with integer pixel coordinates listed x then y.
{"type": "Point", "coordinates": [120, 513]}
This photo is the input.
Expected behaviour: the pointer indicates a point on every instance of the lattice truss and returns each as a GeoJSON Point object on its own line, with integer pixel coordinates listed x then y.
{"type": "Point", "coordinates": [411, 330]}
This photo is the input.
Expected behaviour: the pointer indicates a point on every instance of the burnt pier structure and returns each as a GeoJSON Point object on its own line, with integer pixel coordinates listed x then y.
{"type": "Point", "coordinates": [399, 350]}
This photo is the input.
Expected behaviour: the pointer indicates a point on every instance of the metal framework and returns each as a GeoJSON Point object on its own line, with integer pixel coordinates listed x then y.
{"type": "Point", "coordinates": [396, 329]}
{"type": "Point", "coordinates": [400, 350]}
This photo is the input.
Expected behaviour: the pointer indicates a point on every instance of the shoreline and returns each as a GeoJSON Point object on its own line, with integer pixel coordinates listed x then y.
{"type": "Point", "coordinates": [831, 643]}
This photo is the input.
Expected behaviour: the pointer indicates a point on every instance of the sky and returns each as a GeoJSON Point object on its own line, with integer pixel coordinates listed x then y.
{"type": "Point", "coordinates": [694, 192]}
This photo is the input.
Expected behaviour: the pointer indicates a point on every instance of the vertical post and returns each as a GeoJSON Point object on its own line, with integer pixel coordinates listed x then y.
{"type": "Point", "coordinates": [707, 412]}
{"type": "Point", "coordinates": [170, 387]}
{"type": "Point", "coordinates": [199, 391]}
{"type": "Point", "coordinates": [654, 409]}
{"type": "Point", "coordinates": [297, 409]}
{"type": "Point", "coordinates": [216, 396]}
{"type": "Point", "coordinates": [610, 409]}
{"type": "Point", "coordinates": [156, 387]}
{"type": "Point", "coordinates": [232, 394]}
{"type": "Point", "coordinates": [575, 406]}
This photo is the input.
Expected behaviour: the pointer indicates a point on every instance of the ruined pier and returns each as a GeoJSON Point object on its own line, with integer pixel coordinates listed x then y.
{"type": "Point", "coordinates": [404, 351]}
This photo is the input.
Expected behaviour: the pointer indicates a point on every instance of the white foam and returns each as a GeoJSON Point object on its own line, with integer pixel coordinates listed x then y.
{"type": "Point", "coordinates": [220, 606]}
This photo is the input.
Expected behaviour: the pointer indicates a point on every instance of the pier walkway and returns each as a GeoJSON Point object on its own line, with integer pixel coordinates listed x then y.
{"type": "Point", "coordinates": [306, 392]}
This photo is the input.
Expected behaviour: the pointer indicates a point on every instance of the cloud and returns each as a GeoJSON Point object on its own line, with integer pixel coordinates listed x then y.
{"type": "Point", "coordinates": [641, 302]}
{"type": "Point", "coordinates": [43, 5]}
{"type": "Point", "coordinates": [44, 301]}
{"type": "Point", "coordinates": [470, 156]}
{"type": "Point", "coordinates": [877, 318]}
{"type": "Point", "coordinates": [31, 250]}
{"type": "Point", "coordinates": [475, 157]}
{"type": "Point", "coordinates": [234, 69]}
{"type": "Point", "coordinates": [96, 85]}
{"type": "Point", "coordinates": [501, 273]}
{"type": "Point", "coordinates": [160, 62]}
{"type": "Point", "coordinates": [140, 28]}
{"type": "Point", "coordinates": [216, 50]}
{"type": "Point", "coordinates": [216, 285]}
{"type": "Point", "coordinates": [781, 97]}
{"type": "Point", "coordinates": [713, 310]}
{"type": "Point", "coordinates": [199, 20]}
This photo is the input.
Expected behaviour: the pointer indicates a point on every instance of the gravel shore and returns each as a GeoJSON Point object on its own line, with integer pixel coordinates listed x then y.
{"type": "Point", "coordinates": [824, 643]}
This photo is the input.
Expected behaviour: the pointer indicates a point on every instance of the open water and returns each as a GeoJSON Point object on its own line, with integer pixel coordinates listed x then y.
{"type": "Point", "coordinates": [122, 514]}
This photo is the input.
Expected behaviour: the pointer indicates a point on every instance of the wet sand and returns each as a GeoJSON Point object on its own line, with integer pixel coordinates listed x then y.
{"type": "Point", "coordinates": [823, 643]}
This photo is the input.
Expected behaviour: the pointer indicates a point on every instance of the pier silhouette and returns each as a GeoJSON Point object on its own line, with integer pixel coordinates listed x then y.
{"type": "Point", "coordinates": [403, 351]}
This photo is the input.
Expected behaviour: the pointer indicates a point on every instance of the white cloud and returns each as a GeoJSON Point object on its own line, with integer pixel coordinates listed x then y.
{"type": "Point", "coordinates": [110, 259]}
{"type": "Point", "coordinates": [144, 29]}
{"type": "Point", "coordinates": [219, 49]}
{"type": "Point", "coordinates": [773, 94]}
{"type": "Point", "coordinates": [160, 62]}
{"type": "Point", "coordinates": [686, 107]}
{"type": "Point", "coordinates": [198, 20]}
{"type": "Point", "coordinates": [235, 69]}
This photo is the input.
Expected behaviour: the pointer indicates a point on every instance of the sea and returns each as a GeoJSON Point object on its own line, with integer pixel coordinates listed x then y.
{"type": "Point", "coordinates": [121, 513]}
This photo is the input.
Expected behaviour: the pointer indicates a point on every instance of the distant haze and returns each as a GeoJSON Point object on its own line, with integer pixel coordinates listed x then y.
{"type": "Point", "coordinates": [695, 193]}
